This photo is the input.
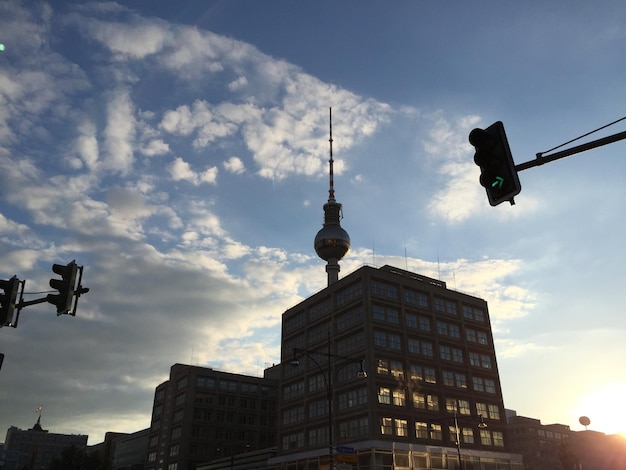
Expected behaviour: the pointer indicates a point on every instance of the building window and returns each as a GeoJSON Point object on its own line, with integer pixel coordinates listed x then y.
{"type": "Point", "coordinates": [350, 318]}
{"type": "Point", "coordinates": [498, 439]}
{"type": "Point", "coordinates": [464, 407]}
{"type": "Point", "coordinates": [481, 409]}
{"type": "Point", "coordinates": [355, 291]}
{"type": "Point", "coordinates": [174, 450]}
{"type": "Point", "coordinates": [415, 298]}
{"type": "Point", "coordinates": [293, 441]}
{"type": "Point", "coordinates": [478, 384]}
{"type": "Point", "coordinates": [387, 340]}
{"type": "Point", "coordinates": [445, 353]}
{"type": "Point", "coordinates": [445, 306]}
{"type": "Point", "coordinates": [472, 313]}
{"type": "Point", "coordinates": [436, 432]}
{"type": "Point", "coordinates": [424, 401]}
{"type": "Point", "coordinates": [318, 408]}
{"type": "Point", "coordinates": [468, 435]}
{"type": "Point", "coordinates": [490, 386]}
{"type": "Point", "coordinates": [418, 322]}
{"type": "Point", "coordinates": [382, 289]}
{"type": "Point", "coordinates": [182, 383]}
{"type": "Point", "coordinates": [317, 382]}
{"type": "Point", "coordinates": [229, 385]}
{"type": "Point", "coordinates": [485, 437]}
{"type": "Point", "coordinates": [426, 374]}
{"type": "Point", "coordinates": [422, 348]}
{"type": "Point", "coordinates": [293, 415]}
{"type": "Point", "coordinates": [386, 426]}
{"type": "Point", "coordinates": [353, 428]}
{"type": "Point", "coordinates": [320, 310]}
{"type": "Point", "coordinates": [460, 381]}
{"type": "Point", "coordinates": [293, 390]}
{"type": "Point", "coordinates": [353, 342]}
{"type": "Point", "coordinates": [205, 382]}
{"type": "Point", "coordinates": [399, 397]}
{"type": "Point", "coordinates": [353, 398]}
{"type": "Point", "coordinates": [401, 427]}
{"type": "Point", "coordinates": [457, 355]}
{"type": "Point", "coordinates": [382, 366]}
{"type": "Point", "coordinates": [485, 361]}
{"type": "Point", "coordinates": [152, 457]}
{"type": "Point", "coordinates": [384, 395]}
{"type": "Point", "coordinates": [396, 369]}
{"type": "Point", "coordinates": [318, 436]}
{"type": "Point", "coordinates": [421, 430]}
{"type": "Point", "coordinates": [448, 378]}
{"type": "Point", "coordinates": [386, 314]}
{"type": "Point", "coordinates": [494, 412]}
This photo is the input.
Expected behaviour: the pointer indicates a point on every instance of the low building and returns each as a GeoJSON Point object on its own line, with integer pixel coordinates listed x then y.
{"type": "Point", "coordinates": [130, 451]}
{"type": "Point", "coordinates": [35, 448]}
{"type": "Point", "coordinates": [201, 414]}
{"type": "Point", "coordinates": [543, 446]}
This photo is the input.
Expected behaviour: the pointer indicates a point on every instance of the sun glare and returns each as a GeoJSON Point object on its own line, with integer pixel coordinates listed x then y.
{"type": "Point", "coordinates": [605, 409]}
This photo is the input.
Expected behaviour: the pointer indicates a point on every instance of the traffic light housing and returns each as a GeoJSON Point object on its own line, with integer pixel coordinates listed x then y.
{"type": "Point", "coordinates": [65, 286]}
{"type": "Point", "coordinates": [7, 300]}
{"type": "Point", "coordinates": [497, 169]}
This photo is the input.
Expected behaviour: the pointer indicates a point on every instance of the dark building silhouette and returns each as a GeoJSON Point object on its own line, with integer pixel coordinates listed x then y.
{"type": "Point", "coordinates": [35, 448]}
{"type": "Point", "coordinates": [201, 414]}
{"type": "Point", "coordinates": [543, 446]}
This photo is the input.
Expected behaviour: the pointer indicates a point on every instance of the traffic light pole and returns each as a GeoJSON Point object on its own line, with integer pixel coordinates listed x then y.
{"type": "Point", "coordinates": [540, 160]}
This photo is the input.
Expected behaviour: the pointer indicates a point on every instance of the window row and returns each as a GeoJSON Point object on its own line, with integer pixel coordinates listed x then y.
{"type": "Point", "coordinates": [418, 347]}
{"type": "Point", "coordinates": [422, 300]}
{"type": "Point", "coordinates": [430, 402]}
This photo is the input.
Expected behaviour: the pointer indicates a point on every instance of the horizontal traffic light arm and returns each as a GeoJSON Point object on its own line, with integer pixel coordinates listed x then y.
{"type": "Point", "coordinates": [541, 159]}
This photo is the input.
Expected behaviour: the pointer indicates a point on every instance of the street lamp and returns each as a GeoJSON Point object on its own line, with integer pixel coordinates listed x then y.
{"type": "Point", "coordinates": [328, 382]}
{"type": "Point", "coordinates": [481, 425]}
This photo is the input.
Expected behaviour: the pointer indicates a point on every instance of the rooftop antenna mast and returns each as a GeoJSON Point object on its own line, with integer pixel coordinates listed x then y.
{"type": "Point", "coordinates": [331, 190]}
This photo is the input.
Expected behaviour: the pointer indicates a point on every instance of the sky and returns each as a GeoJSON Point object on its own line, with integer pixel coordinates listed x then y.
{"type": "Point", "coordinates": [179, 152]}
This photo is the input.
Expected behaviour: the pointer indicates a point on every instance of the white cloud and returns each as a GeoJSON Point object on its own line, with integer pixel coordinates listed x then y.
{"type": "Point", "coordinates": [180, 170]}
{"type": "Point", "coordinates": [234, 165]}
{"type": "Point", "coordinates": [119, 134]}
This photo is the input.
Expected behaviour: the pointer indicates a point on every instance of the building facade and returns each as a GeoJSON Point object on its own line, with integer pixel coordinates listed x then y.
{"type": "Point", "coordinates": [35, 448]}
{"type": "Point", "coordinates": [432, 393]}
{"type": "Point", "coordinates": [543, 446]}
{"type": "Point", "coordinates": [201, 414]}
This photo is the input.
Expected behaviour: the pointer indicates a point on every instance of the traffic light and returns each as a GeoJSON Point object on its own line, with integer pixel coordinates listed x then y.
{"type": "Point", "coordinates": [497, 169]}
{"type": "Point", "coordinates": [7, 300]}
{"type": "Point", "coordinates": [65, 286]}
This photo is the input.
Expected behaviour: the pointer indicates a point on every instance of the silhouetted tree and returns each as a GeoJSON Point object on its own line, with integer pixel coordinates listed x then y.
{"type": "Point", "coordinates": [72, 458]}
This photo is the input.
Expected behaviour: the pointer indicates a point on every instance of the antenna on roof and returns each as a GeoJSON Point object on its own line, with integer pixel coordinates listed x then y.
{"type": "Point", "coordinates": [331, 190]}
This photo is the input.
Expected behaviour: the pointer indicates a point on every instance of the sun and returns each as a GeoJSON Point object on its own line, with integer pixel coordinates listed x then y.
{"type": "Point", "coordinates": [604, 407]}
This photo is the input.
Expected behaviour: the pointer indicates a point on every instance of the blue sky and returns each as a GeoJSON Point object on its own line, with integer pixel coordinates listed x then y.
{"type": "Point", "coordinates": [179, 151]}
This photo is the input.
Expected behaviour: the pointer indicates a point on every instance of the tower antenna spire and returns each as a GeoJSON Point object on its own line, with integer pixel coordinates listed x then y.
{"type": "Point", "coordinates": [331, 190]}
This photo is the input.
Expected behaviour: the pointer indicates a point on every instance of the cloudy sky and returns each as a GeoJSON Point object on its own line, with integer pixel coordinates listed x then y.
{"type": "Point", "coordinates": [179, 152]}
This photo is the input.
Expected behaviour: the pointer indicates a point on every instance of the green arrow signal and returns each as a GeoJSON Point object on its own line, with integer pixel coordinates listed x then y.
{"type": "Point", "coordinates": [498, 182]}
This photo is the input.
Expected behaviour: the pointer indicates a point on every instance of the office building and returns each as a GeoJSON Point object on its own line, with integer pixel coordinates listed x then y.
{"type": "Point", "coordinates": [201, 414]}
{"type": "Point", "coordinates": [432, 377]}
{"type": "Point", "coordinates": [543, 446]}
{"type": "Point", "coordinates": [35, 448]}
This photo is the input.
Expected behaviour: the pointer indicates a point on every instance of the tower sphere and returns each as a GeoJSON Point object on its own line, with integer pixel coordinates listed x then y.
{"type": "Point", "coordinates": [332, 242]}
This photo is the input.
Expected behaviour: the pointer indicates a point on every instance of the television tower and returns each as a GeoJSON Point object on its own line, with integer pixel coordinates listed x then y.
{"type": "Point", "coordinates": [332, 242]}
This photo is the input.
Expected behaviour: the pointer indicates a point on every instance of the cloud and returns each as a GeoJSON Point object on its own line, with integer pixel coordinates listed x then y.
{"type": "Point", "coordinates": [234, 165]}
{"type": "Point", "coordinates": [181, 171]}
{"type": "Point", "coordinates": [458, 195]}
{"type": "Point", "coordinates": [119, 134]}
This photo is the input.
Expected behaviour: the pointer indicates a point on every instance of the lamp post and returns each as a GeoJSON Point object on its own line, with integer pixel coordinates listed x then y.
{"type": "Point", "coordinates": [481, 425]}
{"type": "Point", "coordinates": [328, 382]}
